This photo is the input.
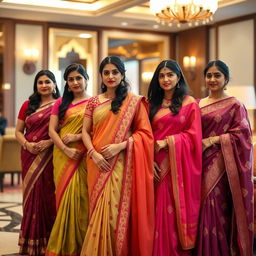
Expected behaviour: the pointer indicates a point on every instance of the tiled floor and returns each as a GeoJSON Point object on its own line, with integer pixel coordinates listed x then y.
{"type": "Point", "coordinates": [10, 219]}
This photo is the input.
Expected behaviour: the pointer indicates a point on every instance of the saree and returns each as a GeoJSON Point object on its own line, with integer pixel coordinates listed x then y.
{"type": "Point", "coordinates": [226, 219]}
{"type": "Point", "coordinates": [121, 204]}
{"type": "Point", "coordinates": [71, 190]}
{"type": "Point", "coordinates": [38, 187]}
{"type": "Point", "coordinates": [178, 193]}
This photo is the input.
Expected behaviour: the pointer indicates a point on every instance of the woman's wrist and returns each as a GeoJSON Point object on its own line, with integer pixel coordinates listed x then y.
{"type": "Point", "coordinates": [24, 145]}
{"type": "Point", "coordinates": [90, 152]}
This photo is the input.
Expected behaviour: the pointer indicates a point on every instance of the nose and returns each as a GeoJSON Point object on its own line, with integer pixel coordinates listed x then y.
{"type": "Point", "coordinates": [165, 78]}
{"type": "Point", "coordinates": [110, 75]}
{"type": "Point", "coordinates": [212, 78]}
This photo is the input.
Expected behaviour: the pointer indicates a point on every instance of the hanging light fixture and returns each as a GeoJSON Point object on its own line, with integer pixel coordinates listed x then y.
{"type": "Point", "coordinates": [183, 11]}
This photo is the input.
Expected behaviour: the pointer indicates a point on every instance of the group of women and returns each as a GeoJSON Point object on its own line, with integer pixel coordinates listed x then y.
{"type": "Point", "coordinates": [116, 174]}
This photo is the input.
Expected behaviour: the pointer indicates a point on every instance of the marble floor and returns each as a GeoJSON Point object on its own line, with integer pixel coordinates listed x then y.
{"type": "Point", "coordinates": [10, 218]}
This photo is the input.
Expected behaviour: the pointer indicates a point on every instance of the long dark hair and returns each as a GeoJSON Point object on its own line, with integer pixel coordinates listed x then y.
{"type": "Point", "coordinates": [156, 93]}
{"type": "Point", "coordinates": [35, 98]}
{"type": "Point", "coordinates": [221, 66]}
{"type": "Point", "coordinates": [122, 89]}
{"type": "Point", "coordinates": [68, 96]}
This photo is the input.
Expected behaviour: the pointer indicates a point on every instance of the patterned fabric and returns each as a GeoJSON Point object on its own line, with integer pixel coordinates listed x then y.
{"type": "Point", "coordinates": [226, 220]}
{"type": "Point", "coordinates": [178, 193]}
{"type": "Point", "coordinates": [38, 187]}
{"type": "Point", "coordinates": [71, 190]}
{"type": "Point", "coordinates": [121, 200]}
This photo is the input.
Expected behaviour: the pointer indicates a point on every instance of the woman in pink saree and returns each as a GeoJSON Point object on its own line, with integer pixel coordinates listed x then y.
{"type": "Point", "coordinates": [119, 139]}
{"type": "Point", "coordinates": [226, 219]}
{"type": "Point", "coordinates": [37, 169]}
{"type": "Point", "coordinates": [176, 125]}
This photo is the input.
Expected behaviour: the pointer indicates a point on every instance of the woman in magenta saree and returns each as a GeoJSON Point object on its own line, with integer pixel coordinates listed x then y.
{"type": "Point", "coordinates": [176, 126]}
{"type": "Point", "coordinates": [226, 219]}
{"type": "Point", "coordinates": [37, 169]}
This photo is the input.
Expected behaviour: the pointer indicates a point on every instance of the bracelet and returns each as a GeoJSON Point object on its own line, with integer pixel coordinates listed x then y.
{"type": "Point", "coordinates": [210, 139]}
{"type": "Point", "coordinates": [24, 145]}
{"type": "Point", "coordinates": [90, 152]}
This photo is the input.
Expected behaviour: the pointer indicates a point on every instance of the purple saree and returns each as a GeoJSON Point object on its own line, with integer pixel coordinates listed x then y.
{"type": "Point", "coordinates": [38, 187]}
{"type": "Point", "coordinates": [226, 220]}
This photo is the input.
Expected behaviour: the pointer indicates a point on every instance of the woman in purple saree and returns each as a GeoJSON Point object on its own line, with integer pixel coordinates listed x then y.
{"type": "Point", "coordinates": [37, 169]}
{"type": "Point", "coordinates": [226, 219]}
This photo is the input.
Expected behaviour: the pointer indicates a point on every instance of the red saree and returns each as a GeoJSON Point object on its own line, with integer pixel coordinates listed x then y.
{"type": "Point", "coordinates": [121, 201]}
{"type": "Point", "coordinates": [226, 220]}
{"type": "Point", "coordinates": [178, 191]}
{"type": "Point", "coordinates": [38, 187]}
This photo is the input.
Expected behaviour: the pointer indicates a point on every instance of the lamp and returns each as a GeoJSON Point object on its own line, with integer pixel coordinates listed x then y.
{"type": "Point", "coordinates": [31, 56]}
{"type": "Point", "coordinates": [189, 64]}
{"type": "Point", "coordinates": [183, 11]}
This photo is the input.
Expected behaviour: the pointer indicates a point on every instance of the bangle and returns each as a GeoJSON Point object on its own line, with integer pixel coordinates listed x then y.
{"type": "Point", "coordinates": [24, 145]}
{"type": "Point", "coordinates": [211, 142]}
{"type": "Point", "coordinates": [90, 152]}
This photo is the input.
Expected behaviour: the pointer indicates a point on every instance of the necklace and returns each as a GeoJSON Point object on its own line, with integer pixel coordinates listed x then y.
{"type": "Point", "coordinates": [166, 103]}
{"type": "Point", "coordinates": [107, 97]}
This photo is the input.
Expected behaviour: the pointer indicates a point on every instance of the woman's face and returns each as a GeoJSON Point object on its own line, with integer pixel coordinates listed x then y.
{"type": "Point", "coordinates": [76, 82]}
{"type": "Point", "coordinates": [45, 85]}
{"type": "Point", "coordinates": [111, 76]}
{"type": "Point", "coordinates": [214, 79]}
{"type": "Point", "coordinates": [167, 79]}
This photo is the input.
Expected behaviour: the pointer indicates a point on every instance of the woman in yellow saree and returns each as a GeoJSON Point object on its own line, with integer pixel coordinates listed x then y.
{"type": "Point", "coordinates": [118, 136]}
{"type": "Point", "coordinates": [69, 165]}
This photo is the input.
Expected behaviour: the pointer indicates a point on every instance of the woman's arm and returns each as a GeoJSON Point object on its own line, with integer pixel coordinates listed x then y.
{"type": "Point", "coordinates": [53, 133]}
{"type": "Point", "coordinates": [97, 158]}
{"type": "Point", "coordinates": [19, 133]}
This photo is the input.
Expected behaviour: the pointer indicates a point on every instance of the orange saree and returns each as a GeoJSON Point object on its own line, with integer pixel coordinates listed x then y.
{"type": "Point", "coordinates": [121, 202]}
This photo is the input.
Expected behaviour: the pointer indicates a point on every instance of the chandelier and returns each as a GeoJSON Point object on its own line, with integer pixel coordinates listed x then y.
{"type": "Point", "coordinates": [183, 11]}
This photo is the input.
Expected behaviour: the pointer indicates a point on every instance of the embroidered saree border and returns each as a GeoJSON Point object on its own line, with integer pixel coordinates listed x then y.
{"type": "Point", "coordinates": [213, 176]}
{"type": "Point", "coordinates": [174, 176]}
{"type": "Point", "coordinates": [233, 178]}
{"type": "Point", "coordinates": [218, 105]}
{"type": "Point", "coordinates": [124, 125]}
{"type": "Point", "coordinates": [124, 209]}
{"type": "Point", "coordinates": [34, 172]}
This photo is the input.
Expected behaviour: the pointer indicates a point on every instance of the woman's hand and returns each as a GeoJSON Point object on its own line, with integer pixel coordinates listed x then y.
{"type": "Point", "coordinates": [32, 148]}
{"type": "Point", "coordinates": [156, 172]}
{"type": "Point", "coordinates": [210, 141]}
{"type": "Point", "coordinates": [160, 144]}
{"type": "Point", "coordinates": [70, 138]}
{"type": "Point", "coordinates": [110, 150]}
{"type": "Point", "coordinates": [72, 153]}
{"type": "Point", "coordinates": [100, 161]}
{"type": "Point", "coordinates": [43, 145]}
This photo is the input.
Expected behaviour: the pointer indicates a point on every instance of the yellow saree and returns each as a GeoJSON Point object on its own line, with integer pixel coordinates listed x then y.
{"type": "Point", "coordinates": [71, 191]}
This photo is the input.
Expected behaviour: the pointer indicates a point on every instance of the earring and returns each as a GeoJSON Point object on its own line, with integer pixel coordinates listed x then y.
{"type": "Point", "coordinates": [69, 89]}
{"type": "Point", "coordinates": [54, 90]}
{"type": "Point", "coordinates": [122, 83]}
{"type": "Point", "coordinates": [178, 85]}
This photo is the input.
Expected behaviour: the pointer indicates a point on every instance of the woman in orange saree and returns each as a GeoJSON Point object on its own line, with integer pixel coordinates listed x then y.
{"type": "Point", "coordinates": [37, 169]}
{"type": "Point", "coordinates": [69, 165]}
{"type": "Point", "coordinates": [176, 125]}
{"type": "Point", "coordinates": [226, 219]}
{"type": "Point", "coordinates": [119, 139]}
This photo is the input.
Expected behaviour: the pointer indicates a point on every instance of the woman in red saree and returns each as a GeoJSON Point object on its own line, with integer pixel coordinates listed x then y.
{"type": "Point", "coordinates": [37, 169]}
{"type": "Point", "coordinates": [226, 219]}
{"type": "Point", "coordinates": [70, 171]}
{"type": "Point", "coordinates": [176, 125]}
{"type": "Point", "coordinates": [119, 139]}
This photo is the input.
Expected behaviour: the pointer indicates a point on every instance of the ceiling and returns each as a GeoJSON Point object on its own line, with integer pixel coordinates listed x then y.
{"type": "Point", "coordinates": [132, 14]}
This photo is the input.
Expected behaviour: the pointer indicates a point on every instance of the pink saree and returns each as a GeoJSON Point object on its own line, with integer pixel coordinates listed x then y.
{"type": "Point", "coordinates": [226, 219]}
{"type": "Point", "coordinates": [178, 191]}
{"type": "Point", "coordinates": [38, 188]}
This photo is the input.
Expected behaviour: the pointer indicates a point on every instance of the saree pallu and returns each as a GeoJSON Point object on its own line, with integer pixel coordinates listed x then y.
{"type": "Point", "coordinates": [178, 193]}
{"type": "Point", "coordinates": [226, 219]}
{"type": "Point", "coordinates": [38, 188]}
{"type": "Point", "coordinates": [121, 201]}
{"type": "Point", "coordinates": [71, 190]}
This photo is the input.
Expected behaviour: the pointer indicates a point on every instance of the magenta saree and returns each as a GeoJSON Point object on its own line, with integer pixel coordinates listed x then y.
{"type": "Point", "coordinates": [38, 187]}
{"type": "Point", "coordinates": [178, 192]}
{"type": "Point", "coordinates": [226, 219]}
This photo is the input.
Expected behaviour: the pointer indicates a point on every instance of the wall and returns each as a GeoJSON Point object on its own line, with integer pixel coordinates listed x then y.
{"type": "Point", "coordinates": [26, 37]}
